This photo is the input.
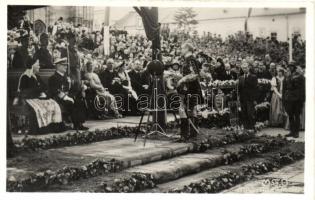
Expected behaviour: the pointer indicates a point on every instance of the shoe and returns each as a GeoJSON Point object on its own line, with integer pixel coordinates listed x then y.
{"type": "Point", "coordinates": [184, 128]}
{"type": "Point", "coordinates": [295, 135]}
{"type": "Point", "coordinates": [289, 135]}
{"type": "Point", "coordinates": [83, 128]}
{"type": "Point", "coordinates": [118, 115]}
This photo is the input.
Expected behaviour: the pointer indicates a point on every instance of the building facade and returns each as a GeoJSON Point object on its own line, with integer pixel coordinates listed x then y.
{"type": "Point", "coordinates": [46, 16]}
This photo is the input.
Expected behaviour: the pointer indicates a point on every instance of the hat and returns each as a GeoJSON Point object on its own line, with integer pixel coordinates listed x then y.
{"type": "Point", "coordinates": [61, 61]}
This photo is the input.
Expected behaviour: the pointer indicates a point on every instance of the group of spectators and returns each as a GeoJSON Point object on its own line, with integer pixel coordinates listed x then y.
{"type": "Point", "coordinates": [123, 72]}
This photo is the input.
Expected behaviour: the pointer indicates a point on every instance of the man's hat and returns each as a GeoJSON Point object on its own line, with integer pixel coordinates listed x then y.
{"type": "Point", "coordinates": [61, 61]}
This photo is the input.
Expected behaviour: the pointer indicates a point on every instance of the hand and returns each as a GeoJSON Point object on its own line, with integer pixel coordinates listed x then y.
{"type": "Point", "coordinates": [145, 87]}
{"type": "Point", "coordinates": [67, 98]}
{"type": "Point", "coordinates": [280, 96]}
{"type": "Point", "coordinates": [68, 79]}
{"type": "Point", "coordinates": [42, 95]}
{"type": "Point", "coordinates": [255, 103]}
{"type": "Point", "coordinates": [179, 83]}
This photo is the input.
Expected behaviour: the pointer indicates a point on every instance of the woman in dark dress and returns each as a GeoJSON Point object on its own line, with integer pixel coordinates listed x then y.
{"type": "Point", "coordinates": [31, 85]}
{"type": "Point", "coordinates": [35, 103]}
{"type": "Point", "coordinates": [122, 89]}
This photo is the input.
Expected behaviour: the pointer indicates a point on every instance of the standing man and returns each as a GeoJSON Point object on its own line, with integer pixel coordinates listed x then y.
{"type": "Point", "coordinates": [293, 97]}
{"type": "Point", "coordinates": [228, 73]}
{"type": "Point", "coordinates": [71, 105]}
{"type": "Point", "coordinates": [248, 92]}
{"type": "Point", "coordinates": [190, 91]}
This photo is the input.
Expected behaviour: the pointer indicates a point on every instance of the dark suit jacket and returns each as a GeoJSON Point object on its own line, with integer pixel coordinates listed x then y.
{"type": "Point", "coordinates": [57, 84]}
{"type": "Point", "coordinates": [45, 58]}
{"type": "Point", "coordinates": [106, 78]}
{"type": "Point", "coordinates": [294, 88]}
{"type": "Point", "coordinates": [31, 87]}
{"type": "Point", "coordinates": [248, 87]}
{"type": "Point", "coordinates": [136, 83]}
{"type": "Point", "coordinates": [231, 76]}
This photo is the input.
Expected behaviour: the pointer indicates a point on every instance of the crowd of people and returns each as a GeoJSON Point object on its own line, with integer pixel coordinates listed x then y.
{"type": "Point", "coordinates": [86, 81]}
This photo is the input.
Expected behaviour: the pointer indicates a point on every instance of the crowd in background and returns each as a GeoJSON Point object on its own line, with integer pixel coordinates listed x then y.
{"type": "Point", "coordinates": [124, 70]}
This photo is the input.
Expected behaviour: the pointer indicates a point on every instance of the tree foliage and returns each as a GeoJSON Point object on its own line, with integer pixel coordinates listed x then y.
{"type": "Point", "coordinates": [185, 19]}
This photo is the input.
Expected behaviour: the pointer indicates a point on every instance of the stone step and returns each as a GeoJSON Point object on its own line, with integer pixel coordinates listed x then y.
{"type": "Point", "coordinates": [163, 170]}
{"type": "Point", "coordinates": [177, 167]}
{"type": "Point", "coordinates": [125, 152]}
{"type": "Point", "coordinates": [214, 172]}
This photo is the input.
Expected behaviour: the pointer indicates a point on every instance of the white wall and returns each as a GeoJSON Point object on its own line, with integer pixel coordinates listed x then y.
{"type": "Point", "coordinates": [283, 25]}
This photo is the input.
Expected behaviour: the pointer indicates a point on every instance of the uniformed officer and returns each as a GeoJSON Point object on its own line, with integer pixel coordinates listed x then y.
{"type": "Point", "coordinates": [59, 85]}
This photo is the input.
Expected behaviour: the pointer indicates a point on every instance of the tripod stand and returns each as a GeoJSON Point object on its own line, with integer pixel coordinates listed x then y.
{"type": "Point", "coordinates": [156, 128]}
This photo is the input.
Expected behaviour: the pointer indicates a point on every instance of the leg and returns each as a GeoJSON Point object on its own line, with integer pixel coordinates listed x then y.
{"type": "Point", "coordinates": [297, 113]}
{"type": "Point", "coordinates": [289, 109]}
{"type": "Point", "coordinates": [244, 115]}
{"type": "Point", "coordinates": [183, 120]}
{"type": "Point", "coordinates": [250, 114]}
{"type": "Point", "coordinates": [113, 104]}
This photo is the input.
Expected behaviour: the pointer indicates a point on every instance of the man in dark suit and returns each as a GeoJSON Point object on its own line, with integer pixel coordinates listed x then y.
{"type": "Point", "coordinates": [21, 54]}
{"type": "Point", "coordinates": [247, 93]}
{"type": "Point", "coordinates": [228, 74]}
{"type": "Point", "coordinates": [108, 75]}
{"type": "Point", "coordinates": [136, 79]}
{"type": "Point", "coordinates": [293, 97]}
{"type": "Point", "coordinates": [59, 89]}
{"type": "Point", "coordinates": [42, 54]}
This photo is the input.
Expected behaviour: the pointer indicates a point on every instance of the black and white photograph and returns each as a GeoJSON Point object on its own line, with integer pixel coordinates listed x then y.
{"type": "Point", "coordinates": [156, 99]}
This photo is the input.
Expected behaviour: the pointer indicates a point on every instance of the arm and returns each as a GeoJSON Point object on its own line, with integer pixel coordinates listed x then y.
{"type": "Point", "coordinates": [274, 86]}
{"type": "Point", "coordinates": [188, 78]}
{"type": "Point", "coordinates": [94, 84]}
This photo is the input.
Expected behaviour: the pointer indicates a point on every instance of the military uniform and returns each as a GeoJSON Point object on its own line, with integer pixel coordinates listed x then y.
{"type": "Point", "coordinates": [59, 87]}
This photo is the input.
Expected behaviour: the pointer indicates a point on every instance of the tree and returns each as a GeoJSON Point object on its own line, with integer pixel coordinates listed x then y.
{"type": "Point", "coordinates": [185, 19]}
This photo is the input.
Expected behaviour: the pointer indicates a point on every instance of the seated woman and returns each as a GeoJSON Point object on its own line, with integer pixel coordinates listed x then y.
{"type": "Point", "coordinates": [44, 114]}
{"type": "Point", "coordinates": [122, 87]}
{"type": "Point", "coordinates": [95, 83]}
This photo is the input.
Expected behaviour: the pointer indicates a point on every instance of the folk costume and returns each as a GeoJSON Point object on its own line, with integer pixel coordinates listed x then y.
{"type": "Point", "coordinates": [191, 95]}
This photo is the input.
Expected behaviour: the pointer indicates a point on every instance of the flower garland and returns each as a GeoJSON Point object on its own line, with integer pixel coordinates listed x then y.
{"type": "Point", "coordinates": [136, 182]}
{"type": "Point", "coordinates": [212, 118]}
{"type": "Point", "coordinates": [63, 176]}
{"type": "Point", "coordinates": [75, 138]}
{"type": "Point", "coordinates": [262, 83]}
{"type": "Point", "coordinates": [263, 106]}
{"type": "Point", "coordinates": [246, 172]}
{"type": "Point", "coordinates": [268, 144]}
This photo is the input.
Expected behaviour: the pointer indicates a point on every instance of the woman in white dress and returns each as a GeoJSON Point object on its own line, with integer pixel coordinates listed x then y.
{"type": "Point", "coordinates": [276, 114]}
{"type": "Point", "coordinates": [95, 83]}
